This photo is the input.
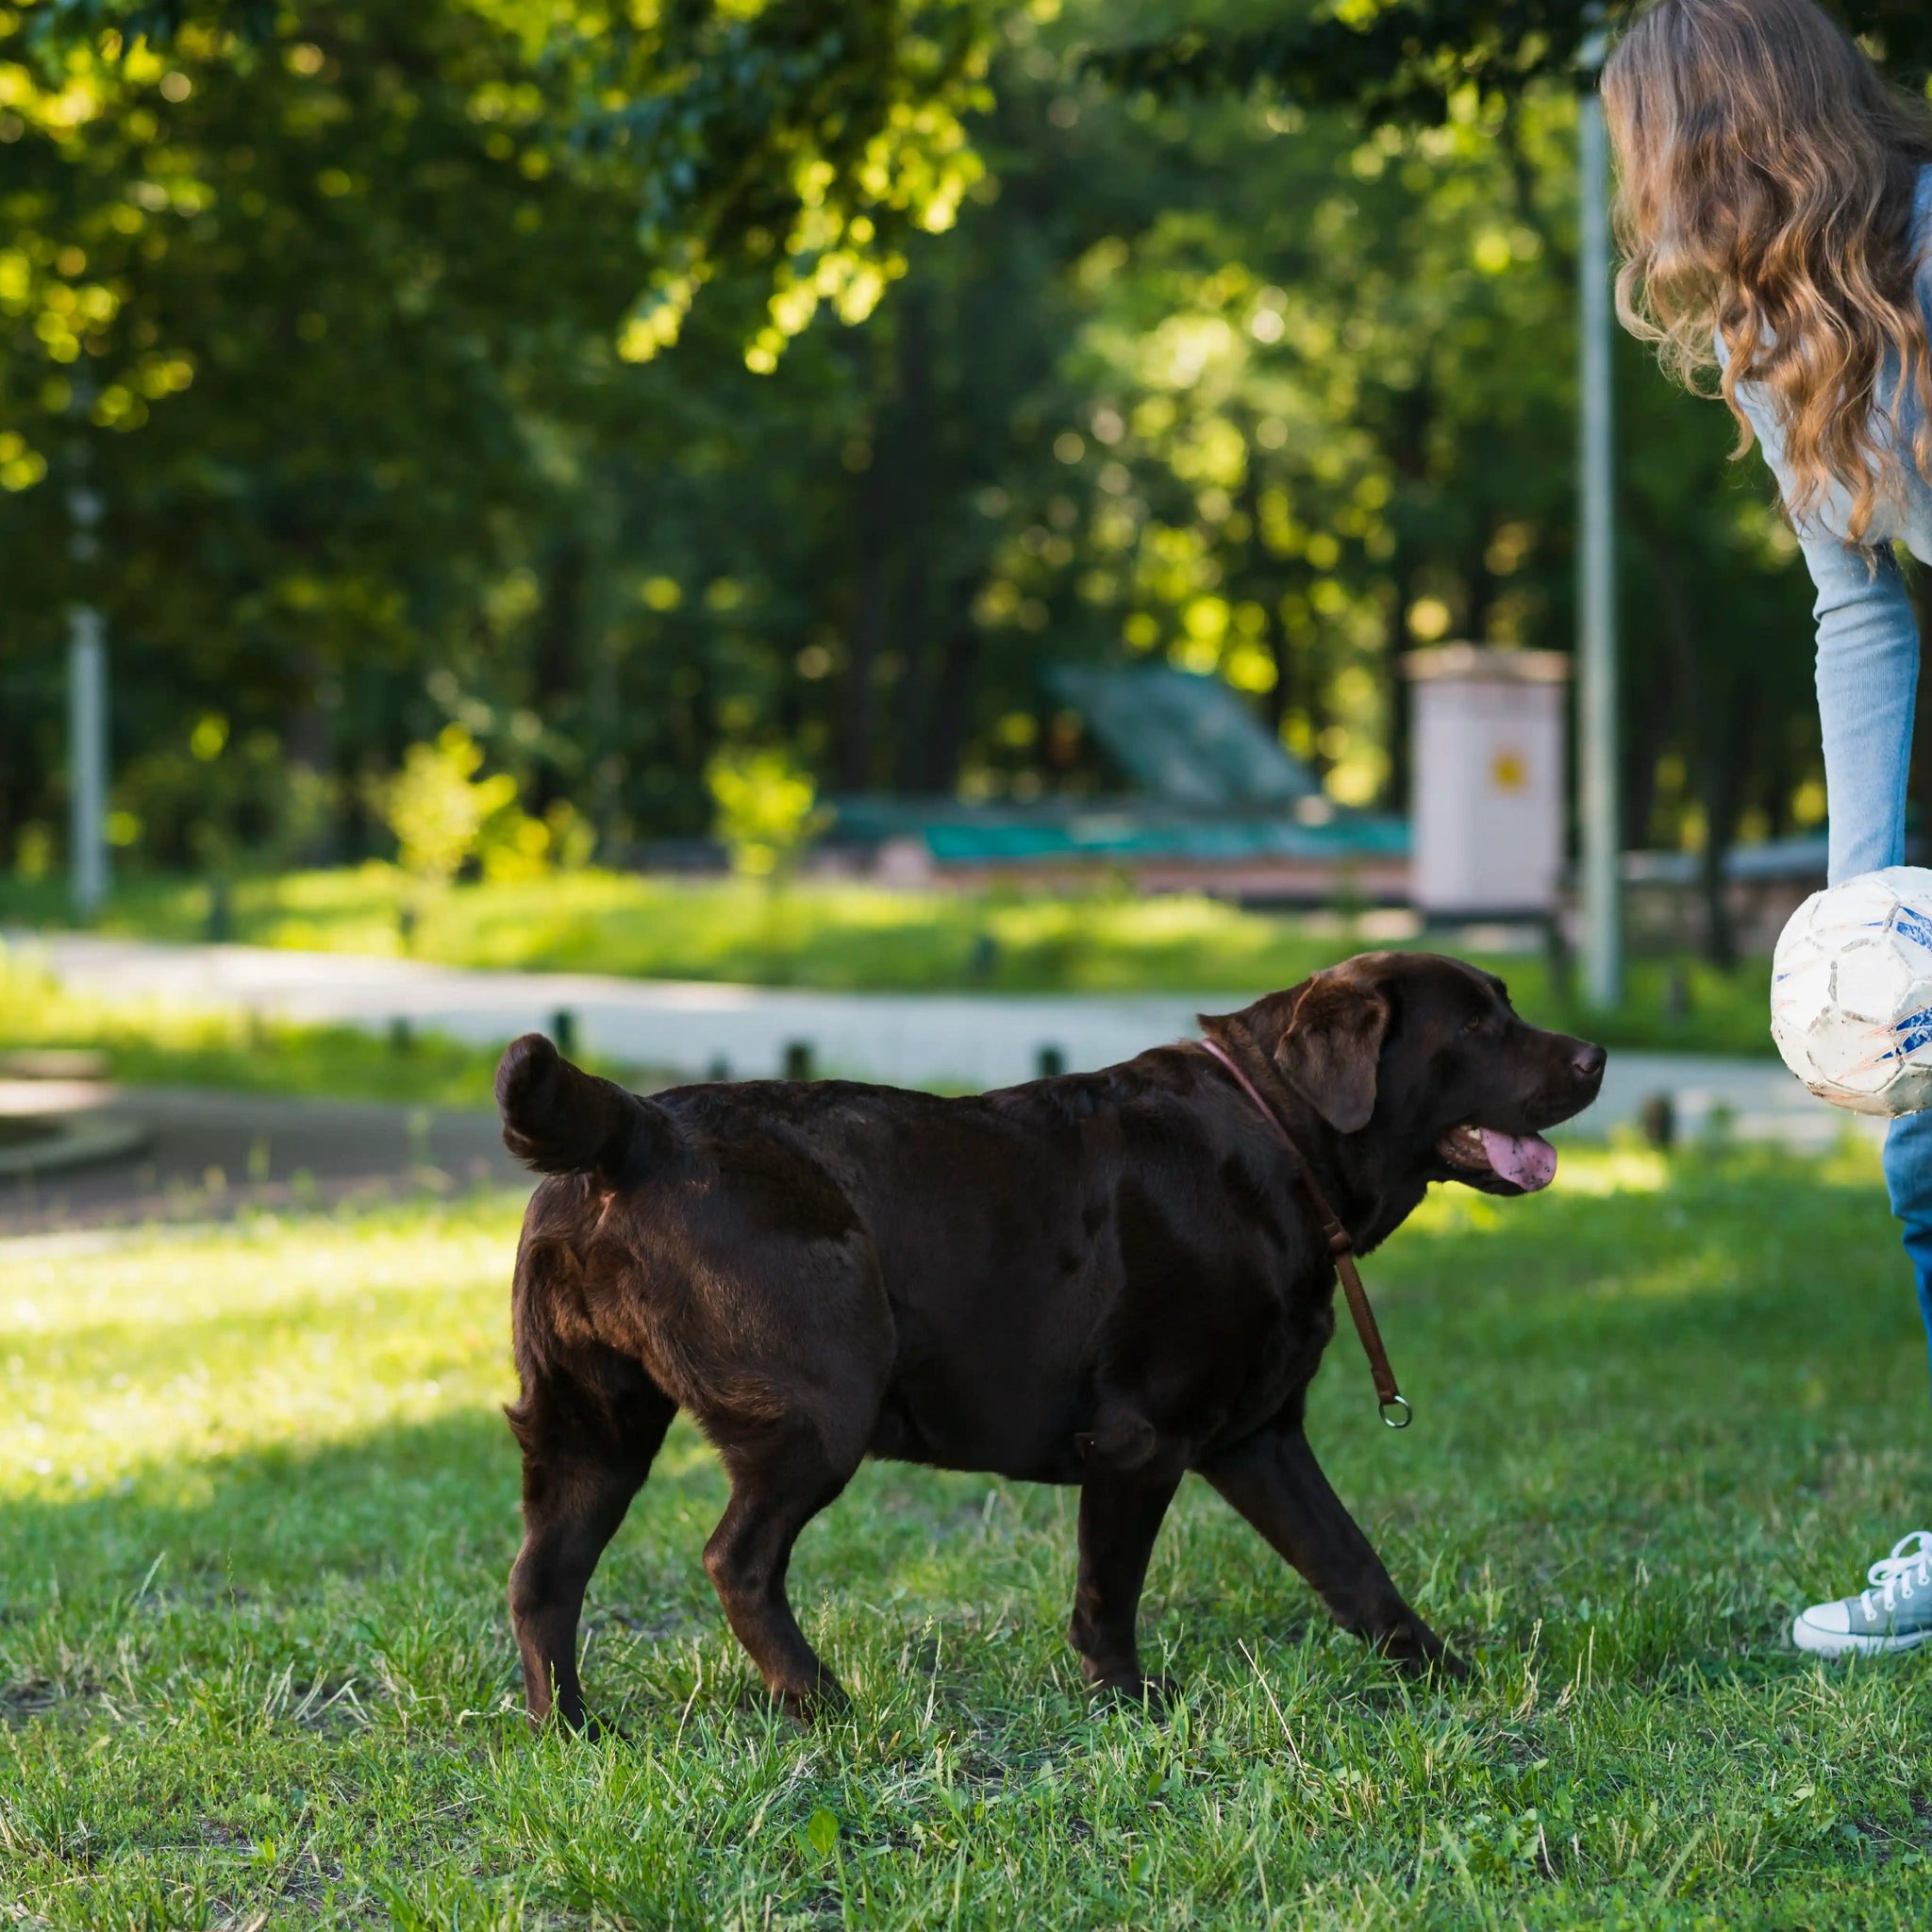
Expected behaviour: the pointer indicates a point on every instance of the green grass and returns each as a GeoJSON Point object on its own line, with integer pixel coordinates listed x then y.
{"type": "Point", "coordinates": [147, 1042]}
{"type": "Point", "coordinates": [158, 1042]}
{"type": "Point", "coordinates": [864, 939]}
{"type": "Point", "coordinates": [257, 1505]}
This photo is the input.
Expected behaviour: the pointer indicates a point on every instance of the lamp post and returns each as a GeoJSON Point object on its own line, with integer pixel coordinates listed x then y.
{"type": "Point", "coordinates": [1596, 638]}
{"type": "Point", "coordinates": [87, 693]}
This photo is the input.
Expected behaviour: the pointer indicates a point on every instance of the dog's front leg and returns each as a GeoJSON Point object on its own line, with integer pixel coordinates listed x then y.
{"type": "Point", "coordinates": [1120, 1517]}
{"type": "Point", "coordinates": [1276, 1482]}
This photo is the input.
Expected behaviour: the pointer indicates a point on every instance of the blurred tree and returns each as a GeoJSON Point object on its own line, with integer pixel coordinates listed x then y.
{"type": "Point", "coordinates": [438, 805]}
{"type": "Point", "coordinates": [799, 142]}
{"type": "Point", "coordinates": [358, 281]}
{"type": "Point", "coordinates": [767, 809]}
{"type": "Point", "coordinates": [1404, 59]}
{"type": "Point", "coordinates": [1269, 388]}
{"type": "Point", "coordinates": [1720, 734]}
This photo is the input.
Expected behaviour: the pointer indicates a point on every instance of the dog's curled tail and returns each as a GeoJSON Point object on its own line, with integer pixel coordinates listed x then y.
{"type": "Point", "coordinates": [558, 1119]}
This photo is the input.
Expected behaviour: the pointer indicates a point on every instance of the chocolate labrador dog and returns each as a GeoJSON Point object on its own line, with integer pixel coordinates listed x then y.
{"type": "Point", "coordinates": [1106, 1279]}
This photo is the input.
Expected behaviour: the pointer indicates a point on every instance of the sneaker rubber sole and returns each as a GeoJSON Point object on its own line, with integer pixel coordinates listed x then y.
{"type": "Point", "coordinates": [1847, 1644]}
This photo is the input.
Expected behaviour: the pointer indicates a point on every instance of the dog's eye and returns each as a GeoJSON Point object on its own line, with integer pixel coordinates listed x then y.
{"type": "Point", "coordinates": [1473, 1025]}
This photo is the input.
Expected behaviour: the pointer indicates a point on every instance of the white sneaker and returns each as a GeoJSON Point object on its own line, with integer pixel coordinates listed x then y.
{"type": "Point", "coordinates": [1895, 1613]}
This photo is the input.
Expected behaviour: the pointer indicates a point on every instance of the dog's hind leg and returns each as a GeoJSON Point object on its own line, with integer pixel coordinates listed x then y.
{"type": "Point", "coordinates": [588, 1445]}
{"type": "Point", "coordinates": [1276, 1482]}
{"type": "Point", "coordinates": [1120, 1517]}
{"type": "Point", "coordinates": [781, 1478]}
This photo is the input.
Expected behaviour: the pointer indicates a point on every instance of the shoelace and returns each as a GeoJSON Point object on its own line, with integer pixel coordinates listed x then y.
{"type": "Point", "coordinates": [1909, 1564]}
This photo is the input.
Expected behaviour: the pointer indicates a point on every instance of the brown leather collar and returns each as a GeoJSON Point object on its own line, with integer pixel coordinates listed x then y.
{"type": "Point", "coordinates": [1341, 1246]}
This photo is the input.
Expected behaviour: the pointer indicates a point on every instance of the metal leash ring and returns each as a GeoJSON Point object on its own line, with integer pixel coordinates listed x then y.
{"type": "Point", "coordinates": [1400, 1401]}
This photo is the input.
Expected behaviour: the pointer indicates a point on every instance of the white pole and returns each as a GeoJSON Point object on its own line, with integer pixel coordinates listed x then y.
{"type": "Point", "coordinates": [87, 679]}
{"type": "Point", "coordinates": [1596, 642]}
{"type": "Point", "coordinates": [87, 700]}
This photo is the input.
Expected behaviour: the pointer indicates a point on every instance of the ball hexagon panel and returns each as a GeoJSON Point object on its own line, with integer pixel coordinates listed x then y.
{"type": "Point", "coordinates": [1871, 978]}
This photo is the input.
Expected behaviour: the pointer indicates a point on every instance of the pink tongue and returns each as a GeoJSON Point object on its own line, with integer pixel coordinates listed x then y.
{"type": "Point", "coordinates": [1527, 1160]}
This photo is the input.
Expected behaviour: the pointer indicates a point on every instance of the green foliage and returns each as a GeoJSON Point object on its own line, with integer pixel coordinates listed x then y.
{"type": "Point", "coordinates": [1406, 59]}
{"type": "Point", "coordinates": [256, 1504]}
{"type": "Point", "coordinates": [797, 143]}
{"type": "Point", "coordinates": [335, 318]}
{"type": "Point", "coordinates": [800, 141]}
{"type": "Point", "coordinates": [767, 809]}
{"type": "Point", "coordinates": [352, 281]}
{"type": "Point", "coordinates": [440, 810]}
{"type": "Point", "coordinates": [215, 801]}
{"type": "Point", "coordinates": [446, 815]}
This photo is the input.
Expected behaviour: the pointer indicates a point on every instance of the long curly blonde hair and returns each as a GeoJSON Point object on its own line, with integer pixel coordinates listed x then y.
{"type": "Point", "coordinates": [1768, 174]}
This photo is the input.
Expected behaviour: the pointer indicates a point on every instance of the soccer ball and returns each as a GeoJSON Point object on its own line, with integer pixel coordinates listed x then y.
{"type": "Point", "coordinates": [1851, 993]}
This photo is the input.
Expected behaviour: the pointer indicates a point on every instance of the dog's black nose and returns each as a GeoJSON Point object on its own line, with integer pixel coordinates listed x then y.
{"type": "Point", "coordinates": [1588, 1062]}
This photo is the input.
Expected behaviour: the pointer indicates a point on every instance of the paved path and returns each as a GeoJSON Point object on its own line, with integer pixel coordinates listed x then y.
{"type": "Point", "coordinates": [964, 1041]}
{"type": "Point", "coordinates": [696, 1030]}
{"type": "Point", "coordinates": [205, 1156]}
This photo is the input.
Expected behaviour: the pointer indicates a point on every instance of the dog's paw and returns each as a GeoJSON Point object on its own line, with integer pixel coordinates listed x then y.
{"type": "Point", "coordinates": [1153, 1695]}
{"type": "Point", "coordinates": [577, 1723]}
{"type": "Point", "coordinates": [1440, 1664]}
{"type": "Point", "coordinates": [806, 1703]}
{"type": "Point", "coordinates": [1416, 1651]}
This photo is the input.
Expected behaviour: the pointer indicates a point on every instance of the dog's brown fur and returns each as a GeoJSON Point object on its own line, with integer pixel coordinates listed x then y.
{"type": "Point", "coordinates": [1106, 1279]}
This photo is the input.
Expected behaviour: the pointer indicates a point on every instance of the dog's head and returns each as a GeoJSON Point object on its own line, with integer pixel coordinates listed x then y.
{"type": "Point", "coordinates": [1429, 1053]}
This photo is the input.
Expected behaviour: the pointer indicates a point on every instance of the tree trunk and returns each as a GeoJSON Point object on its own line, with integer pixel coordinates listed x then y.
{"type": "Point", "coordinates": [1253, 578]}
{"type": "Point", "coordinates": [1409, 449]}
{"type": "Point", "coordinates": [1396, 684]}
{"type": "Point", "coordinates": [309, 739]}
{"type": "Point", "coordinates": [869, 616]}
{"type": "Point", "coordinates": [912, 618]}
{"type": "Point", "coordinates": [1720, 723]}
{"type": "Point", "coordinates": [557, 666]}
{"type": "Point", "coordinates": [952, 710]}
{"type": "Point", "coordinates": [874, 527]}
{"type": "Point", "coordinates": [1720, 799]}
{"type": "Point", "coordinates": [1281, 698]}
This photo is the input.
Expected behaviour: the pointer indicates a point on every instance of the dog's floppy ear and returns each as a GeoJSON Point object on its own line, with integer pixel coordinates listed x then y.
{"type": "Point", "coordinates": [1330, 1051]}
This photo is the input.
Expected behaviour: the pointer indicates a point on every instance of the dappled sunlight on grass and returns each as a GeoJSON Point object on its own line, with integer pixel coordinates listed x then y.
{"type": "Point", "coordinates": [1701, 1271]}
{"type": "Point", "coordinates": [1595, 1172]}
{"type": "Point", "coordinates": [164, 1349]}
{"type": "Point", "coordinates": [1582, 1172]}
{"type": "Point", "coordinates": [1613, 1170]}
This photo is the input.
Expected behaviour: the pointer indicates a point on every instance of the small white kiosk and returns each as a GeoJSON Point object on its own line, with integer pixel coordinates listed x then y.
{"type": "Point", "coordinates": [1489, 794]}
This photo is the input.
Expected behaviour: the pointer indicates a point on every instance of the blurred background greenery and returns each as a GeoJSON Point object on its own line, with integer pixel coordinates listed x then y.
{"type": "Point", "coordinates": [526, 433]}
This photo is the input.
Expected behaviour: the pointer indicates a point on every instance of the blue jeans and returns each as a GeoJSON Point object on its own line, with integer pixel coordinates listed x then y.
{"type": "Point", "coordinates": [1868, 675]}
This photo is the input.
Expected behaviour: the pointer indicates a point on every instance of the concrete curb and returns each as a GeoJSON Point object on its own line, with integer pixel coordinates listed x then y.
{"type": "Point", "coordinates": [74, 1140]}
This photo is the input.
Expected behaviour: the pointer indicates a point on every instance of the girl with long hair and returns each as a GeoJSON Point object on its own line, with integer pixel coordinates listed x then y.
{"type": "Point", "coordinates": [1776, 213]}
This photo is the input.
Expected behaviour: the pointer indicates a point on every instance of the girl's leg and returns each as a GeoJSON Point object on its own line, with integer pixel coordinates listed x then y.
{"type": "Point", "coordinates": [1868, 673]}
{"type": "Point", "coordinates": [1909, 1176]}
{"type": "Point", "coordinates": [1867, 681]}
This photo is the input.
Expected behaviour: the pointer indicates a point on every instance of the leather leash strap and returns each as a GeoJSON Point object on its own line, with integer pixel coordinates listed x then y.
{"type": "Point", "coordinates": [1341, 1246]}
